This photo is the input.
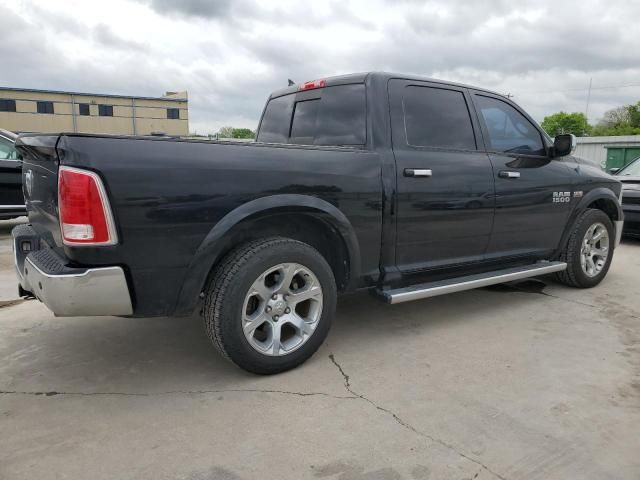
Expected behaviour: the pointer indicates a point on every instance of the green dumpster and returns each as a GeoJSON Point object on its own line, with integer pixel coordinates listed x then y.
{"type": "Point", "coordinates": [618, 157]}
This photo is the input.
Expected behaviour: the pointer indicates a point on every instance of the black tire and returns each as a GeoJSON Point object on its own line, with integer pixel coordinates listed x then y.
{"type": "Point", "coordinates": [574, 275]}
{"type": "Point", "coordinates": [226, 291]}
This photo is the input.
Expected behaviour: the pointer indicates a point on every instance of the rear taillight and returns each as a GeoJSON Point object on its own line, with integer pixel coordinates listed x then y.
{"type": "Point", "coordinates": [85, 215]}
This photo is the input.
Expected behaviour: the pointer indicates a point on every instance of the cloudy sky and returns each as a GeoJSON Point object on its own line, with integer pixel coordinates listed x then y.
{"type": "Point", "coordinates": [229, 54]}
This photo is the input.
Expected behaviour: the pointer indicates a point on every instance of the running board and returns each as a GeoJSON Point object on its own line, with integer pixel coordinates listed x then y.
{"type": "Point", "coordinates": [459, 284]}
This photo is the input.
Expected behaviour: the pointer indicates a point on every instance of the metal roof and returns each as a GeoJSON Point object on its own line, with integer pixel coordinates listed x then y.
{"type": "Point", "coordinates": [106, 95]}
{"type": "Point", "coordinates": [633, 139]}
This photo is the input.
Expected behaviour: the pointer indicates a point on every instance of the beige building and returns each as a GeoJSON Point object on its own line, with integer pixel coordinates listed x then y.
{"type": "Point", "coordinates": [48, 111]}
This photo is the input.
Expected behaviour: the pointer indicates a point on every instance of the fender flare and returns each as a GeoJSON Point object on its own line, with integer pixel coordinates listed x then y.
{"type": "Point", "coordinates": [600, 193]}
{"type": "Point", "coordinates": [212, 247]}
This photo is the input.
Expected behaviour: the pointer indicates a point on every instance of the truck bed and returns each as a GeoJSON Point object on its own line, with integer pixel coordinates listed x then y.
{"type": "Point", "coordinates": [167, 195]}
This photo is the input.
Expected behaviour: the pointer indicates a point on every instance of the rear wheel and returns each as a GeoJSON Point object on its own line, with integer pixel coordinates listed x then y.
{"type": "Point", "coordinates": [270, 304]}
{"type": "Point", "coordinates": [589, 250]}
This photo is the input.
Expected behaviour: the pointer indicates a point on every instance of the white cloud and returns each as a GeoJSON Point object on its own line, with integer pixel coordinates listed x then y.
{"type": "Point", "coordinates": [230, 54]}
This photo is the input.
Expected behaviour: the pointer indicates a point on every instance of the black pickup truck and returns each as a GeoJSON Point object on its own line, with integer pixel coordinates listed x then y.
{"type": "Point", "coordinates": [407, 186]}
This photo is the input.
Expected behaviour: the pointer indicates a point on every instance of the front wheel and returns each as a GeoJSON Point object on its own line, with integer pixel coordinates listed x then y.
{"type": "Point", "coordinates": [270, 304]}
{"type": "Point", "coordinates": [589, 250]}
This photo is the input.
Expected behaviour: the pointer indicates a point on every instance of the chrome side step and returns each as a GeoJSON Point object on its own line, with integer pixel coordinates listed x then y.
{"type": "Point", "coordinates": [459, 284]}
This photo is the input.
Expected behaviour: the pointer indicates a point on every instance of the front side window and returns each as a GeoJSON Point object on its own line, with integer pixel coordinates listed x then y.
{"type": "Point", "coordinates": [105, 110]}
{"type": "Point", "coordinates": [437, 117]}
{"type": "Point", "coordinates": [7, 105]}
{"type": "Point", "coordinates": [45, 107]}
{"type": "Point", "coordinates": [509, 131]}
{"type": "Point", "coordinates": [7, 150]}
{"type": "Point", "coordinates": [332, 116]}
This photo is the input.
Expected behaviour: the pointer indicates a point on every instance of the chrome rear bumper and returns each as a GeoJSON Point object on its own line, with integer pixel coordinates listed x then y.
{"type": "Point", "coordinates": [96, 291]}
{"type": "Point", "coordinates": [68, 291]}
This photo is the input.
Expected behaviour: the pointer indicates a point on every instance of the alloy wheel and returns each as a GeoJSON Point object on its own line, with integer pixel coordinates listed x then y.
{"type": "Point", "coordinates": [282, 309]}
{"type": "Point", "coordinates": [595, 249]}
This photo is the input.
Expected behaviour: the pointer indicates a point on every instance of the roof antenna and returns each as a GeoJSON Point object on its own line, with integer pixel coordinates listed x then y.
{"type": "Point", "coordinates": [290, 82]}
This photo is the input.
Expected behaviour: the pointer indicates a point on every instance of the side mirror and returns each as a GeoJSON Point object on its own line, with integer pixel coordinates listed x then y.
{"type": "Point", "coordinates": [563, 145]}
{"type": "Point", "coordinates": [613, 171]}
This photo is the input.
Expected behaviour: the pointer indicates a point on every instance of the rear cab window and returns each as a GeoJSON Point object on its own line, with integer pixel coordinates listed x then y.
{"type": "Point", "coordinates": [329, 116]}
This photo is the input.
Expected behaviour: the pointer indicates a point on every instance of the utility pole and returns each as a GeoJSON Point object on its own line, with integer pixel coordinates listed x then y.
{"type": "Point", "coordinates": [586, 110]}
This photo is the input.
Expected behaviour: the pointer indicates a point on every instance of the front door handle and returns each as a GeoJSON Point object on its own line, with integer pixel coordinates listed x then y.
{"type": "Point", "coordinates": [417, 172]}
{"type": "Point", "coordinates": [508, 174]}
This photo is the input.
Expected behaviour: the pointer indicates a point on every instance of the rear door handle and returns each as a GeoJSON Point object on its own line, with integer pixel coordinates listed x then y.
{"type": "Point", "coordinates": [417, 172]}
{"type": "Point", "coordinates": [508, 174]}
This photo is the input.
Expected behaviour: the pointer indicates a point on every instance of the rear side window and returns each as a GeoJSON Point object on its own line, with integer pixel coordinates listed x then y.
{"type": "Point", "coordinates": [436, 117]}
{"type": "Point", "coordinates": [326, 116]}
{"type": "Point", "coordinates": [509, 130]}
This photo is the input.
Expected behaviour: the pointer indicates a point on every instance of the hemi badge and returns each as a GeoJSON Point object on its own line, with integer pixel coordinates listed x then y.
{"type": "Point", "coordinates": [577, 194]}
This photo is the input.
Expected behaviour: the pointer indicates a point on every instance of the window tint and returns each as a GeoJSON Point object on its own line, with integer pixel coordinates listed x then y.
{"type": "Point", "coordinates": [7, 105]}
{"type": "Point", "coordinates": [305, 118]}
{"type": "Point", "coordinates": [342, 119]}
{"type": "Point", "coordinates": [7, 150]}
{"type": "Point", "coordinates": [83, 109]}
{"type": "Point", "coordinates": [105, 110]}
{"type": "Point", "coordinates": [173, 113]}
{"type": "Point", "coordinates": [435, 117]}
{"type": "Point", "coordinates": [276, 120]}
{"type": "Point", "coordinates": [336, 117]}
{"type": "Point", "coordinates": [509, 130]}
{"type": "Point", "coordinates": [45, 107]}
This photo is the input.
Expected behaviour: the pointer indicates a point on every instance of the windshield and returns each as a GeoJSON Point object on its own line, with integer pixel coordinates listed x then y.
{"type": "Point", "coordinates": [632, 169]}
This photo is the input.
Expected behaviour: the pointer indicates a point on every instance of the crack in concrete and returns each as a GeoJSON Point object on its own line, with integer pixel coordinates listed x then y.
{"type": "Point", "coordinates": [172, 392]}
{"type": "Point", "coordinates": [408, 426]}
{"type": "Point", "coordinates": [601, 309]}
{"type": "Point", "coordinates": [576, 302]}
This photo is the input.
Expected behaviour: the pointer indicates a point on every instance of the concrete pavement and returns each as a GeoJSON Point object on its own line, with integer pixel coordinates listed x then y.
{"type": "Point", "coordinates": [508, 383]}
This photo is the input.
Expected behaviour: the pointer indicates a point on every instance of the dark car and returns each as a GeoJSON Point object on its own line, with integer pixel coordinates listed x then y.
{"type": "Point", "coordinates": [408, 186]}
{"type": "Point", "coordinates": [629, 175]}
{"type": "Point", "coordinates": [11, 197]}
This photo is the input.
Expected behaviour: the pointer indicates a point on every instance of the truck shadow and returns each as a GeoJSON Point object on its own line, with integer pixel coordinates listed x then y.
{"type": "Point", "coordinates": [162, 355]}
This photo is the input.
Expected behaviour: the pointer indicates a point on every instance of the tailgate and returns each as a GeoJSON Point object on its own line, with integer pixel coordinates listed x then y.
{"type": "Point", "coordinates": [40, 180]}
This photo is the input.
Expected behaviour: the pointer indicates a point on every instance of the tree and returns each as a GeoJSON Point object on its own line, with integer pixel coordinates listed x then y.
{"type": "Point", "coordinates": [231, 132]}
{"type": "Point", "coordinates": [624, 120]}
{"type": "Point", "coordinates": [563, 122]}
{"type": "Point", "coordinates": [243, 133]}
{"type": "Point", "coordinates": [225, 132]}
